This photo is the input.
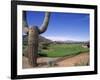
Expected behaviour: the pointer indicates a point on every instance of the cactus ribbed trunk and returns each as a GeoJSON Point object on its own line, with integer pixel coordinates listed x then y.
{"type": "Point", "coordinates": [33, 46]}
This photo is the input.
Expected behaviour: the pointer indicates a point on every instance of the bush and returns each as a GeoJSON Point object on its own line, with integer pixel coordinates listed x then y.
{"type": "Point", "coordinates": [45, 45]}
{"type": "Point", "coordinates": [41, 53]}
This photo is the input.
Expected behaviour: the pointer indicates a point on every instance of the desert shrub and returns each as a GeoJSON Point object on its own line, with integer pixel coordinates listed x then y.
{"type": "Point", "coordinates": [41, 53]}
{"type": "Point", "coordinates": [45, 45]}
{"type": "Point", "coordinates": [25, 52]}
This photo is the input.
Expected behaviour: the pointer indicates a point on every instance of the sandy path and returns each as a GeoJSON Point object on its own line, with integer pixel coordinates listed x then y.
{"type": "Point", "coordinates": [72, 61]}
{"type": "Point", "coordinates": [76, 60]}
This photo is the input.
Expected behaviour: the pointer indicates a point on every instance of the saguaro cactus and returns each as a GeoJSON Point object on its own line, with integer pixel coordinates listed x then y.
{"type": "Point", "coordinates": [33, 34]}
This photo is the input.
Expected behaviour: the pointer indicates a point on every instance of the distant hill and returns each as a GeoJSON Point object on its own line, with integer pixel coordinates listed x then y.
{"type": "Point", "coordinates": [41, 39]}
{"type": "Point", "coordinates": [45, 40]}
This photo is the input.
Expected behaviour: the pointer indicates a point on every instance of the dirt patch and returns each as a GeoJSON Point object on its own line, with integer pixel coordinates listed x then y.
{"type": "Point", "coordinates": [77, 60]}
{"type": "Point", "coordinates": [25, 63]}
{"type": "Point", "coordinates": [41, 61]}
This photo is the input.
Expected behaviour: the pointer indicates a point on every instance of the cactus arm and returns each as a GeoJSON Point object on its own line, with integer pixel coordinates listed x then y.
{"type": "Point", "coordinates": [25, 25]}
{"type": "Point", "coordinates": [45, 23]}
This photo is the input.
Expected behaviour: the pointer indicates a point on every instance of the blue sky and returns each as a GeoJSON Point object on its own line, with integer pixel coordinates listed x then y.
{"type": "Point", "coordinates": [62, 26]}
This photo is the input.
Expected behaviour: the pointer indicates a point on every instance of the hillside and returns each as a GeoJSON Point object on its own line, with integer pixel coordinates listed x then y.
{"type": "Point", "coordinates": [41, 39]}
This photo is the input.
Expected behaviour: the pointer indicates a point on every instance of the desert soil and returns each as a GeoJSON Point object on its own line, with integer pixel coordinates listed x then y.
{"type": "Point", "coordinates": [66, 62]}
{"type": "Point", "coordinates": [80, 59]}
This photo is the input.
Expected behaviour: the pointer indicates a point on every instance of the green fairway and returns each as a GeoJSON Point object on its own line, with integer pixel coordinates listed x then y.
{"type": "Point", "coordinates": [60, 50]}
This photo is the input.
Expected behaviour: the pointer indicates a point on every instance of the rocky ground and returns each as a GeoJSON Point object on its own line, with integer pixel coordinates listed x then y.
{"type": "Point", "coordinates": [78, 60]}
